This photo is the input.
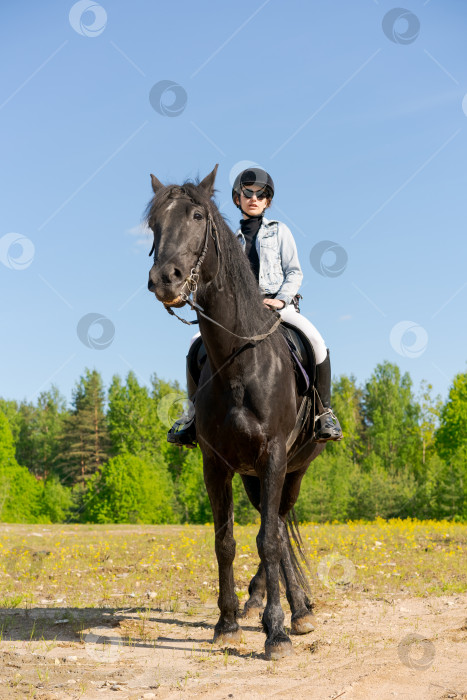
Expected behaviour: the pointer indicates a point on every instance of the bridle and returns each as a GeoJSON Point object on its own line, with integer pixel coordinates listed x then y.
{"type": "Point", "coordinates": [191, 283]}
{"type": "Point", "coordinates": [192, 280]}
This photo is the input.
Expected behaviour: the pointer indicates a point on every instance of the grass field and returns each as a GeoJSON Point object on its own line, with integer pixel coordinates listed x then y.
{"type": "Point", "coordinates": [58, 581]}
{"type": "Point", "coordinates": [90, 566]}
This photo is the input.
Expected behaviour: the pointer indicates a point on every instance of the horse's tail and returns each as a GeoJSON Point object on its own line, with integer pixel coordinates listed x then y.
{"type": "Point", "coordinates": [297, 554]}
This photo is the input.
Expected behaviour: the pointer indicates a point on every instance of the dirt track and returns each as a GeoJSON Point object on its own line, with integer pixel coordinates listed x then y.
{"type": "Point", "coordinates": [359, 651]}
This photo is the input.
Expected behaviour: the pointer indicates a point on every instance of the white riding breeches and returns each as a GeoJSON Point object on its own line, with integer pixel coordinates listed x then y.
{"type": "Point", "coordinates": [296, 319]}
{"type": "Point", "coordinates": [292, 316]}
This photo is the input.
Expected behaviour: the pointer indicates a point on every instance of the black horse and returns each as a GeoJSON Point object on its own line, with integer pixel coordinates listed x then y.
{"type": "Point", "coordinates": [246, 405]}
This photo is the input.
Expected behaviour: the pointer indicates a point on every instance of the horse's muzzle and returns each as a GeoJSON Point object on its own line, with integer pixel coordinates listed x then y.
{"type": "Point", "coordinates": [167, 283]}
{"type": "Point", "coordinates": [169, 297]}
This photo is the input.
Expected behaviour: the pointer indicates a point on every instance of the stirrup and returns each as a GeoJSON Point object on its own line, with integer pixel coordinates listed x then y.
{"type": "Point", "coordinates": [327, 427]}
{"type": "Point", "coordinates": [183, 433]}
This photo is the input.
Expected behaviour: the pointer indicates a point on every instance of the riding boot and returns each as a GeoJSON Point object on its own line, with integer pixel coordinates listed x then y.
{"type": "Point", "coordinates": [327, 427]}
{"type": "Point", "coordinates": [183, 431]}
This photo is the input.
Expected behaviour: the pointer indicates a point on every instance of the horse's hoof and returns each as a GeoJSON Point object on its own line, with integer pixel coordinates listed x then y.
{"type": "Point", "coordinates": [302, 624]}
{"type": "Point", "coordinates": [227, 636]}
{"type": "Point", "coordinates": [252, 611]}
{"type": "Point", "coordinates": [278, 648]}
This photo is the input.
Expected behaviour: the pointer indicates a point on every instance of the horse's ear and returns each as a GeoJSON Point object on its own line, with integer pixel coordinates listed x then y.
{"type": "Point", "coordinates": [156, 185]}
{"type": "Point", "coordinates": [208, 183]}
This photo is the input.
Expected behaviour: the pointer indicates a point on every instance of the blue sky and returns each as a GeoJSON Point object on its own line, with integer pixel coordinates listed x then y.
{"type": "Point", "coordinates": [359, 115]}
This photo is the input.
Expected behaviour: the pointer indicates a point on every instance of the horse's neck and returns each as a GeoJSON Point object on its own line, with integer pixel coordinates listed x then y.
{"type": "Point", "coordinates": [222, 306]}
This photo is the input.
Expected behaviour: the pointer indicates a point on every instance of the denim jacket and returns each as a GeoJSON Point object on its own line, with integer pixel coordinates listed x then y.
{"type": "Point", "coordinates": [279, 269]}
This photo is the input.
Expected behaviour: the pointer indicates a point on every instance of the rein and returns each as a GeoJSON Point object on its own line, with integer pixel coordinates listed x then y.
{"type": "Point", "coordinates": [191, 283]}
{"type": "Point", "coordinates": [198, 308]}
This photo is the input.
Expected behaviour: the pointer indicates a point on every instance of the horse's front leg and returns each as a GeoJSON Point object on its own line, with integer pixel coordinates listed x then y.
{"type": "Point", "coordinates": [269, 544]}
{"type": "Point", "coordinates": [219, 487]}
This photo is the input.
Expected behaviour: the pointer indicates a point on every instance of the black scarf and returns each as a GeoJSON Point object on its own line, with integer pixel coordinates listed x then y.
{"type": "Point", "coordinates": [250, 228]}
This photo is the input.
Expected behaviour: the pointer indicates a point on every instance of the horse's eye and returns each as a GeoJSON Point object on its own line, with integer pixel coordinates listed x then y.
{"type": "Point", "coordinates": [197, 215]}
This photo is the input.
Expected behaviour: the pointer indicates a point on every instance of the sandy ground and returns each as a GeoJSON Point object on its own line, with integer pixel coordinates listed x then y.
{"type": "Point", "coordinates": [411, 648]}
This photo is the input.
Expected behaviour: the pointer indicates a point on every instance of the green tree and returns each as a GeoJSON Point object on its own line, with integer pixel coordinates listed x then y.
{"type": "Point", "coordinates": [426, 500]}
{"type": "Point", "coordinates": [451, 435]}
{"type": "Point", "coordinates": [325, 488]}
{"type": "Point", "coordinates": [19, 490]}
{"type": "Point", "coordinates": [191, 491]}
{"type": "Point", "coordinates": [452, 487]}
{"type": "Point", "coordinates": [11, 410]}
{"type": "Point", "coordinates": [56, 501]}
{"type": "Point", "coordinates": [347, 404]}
{"type": "Point", "coordinates": [84, 442]}
{"type": "Point", "coordinates": [131, 417]}
{"type": "Point", "coordinates": [391, 418]}
{"type": "Point", "coordinates": [430, 409]}
{"type": "Point", "coordinates": [37, 445]}
{"type": "Point", "coordinates": [168, 403]}
{"type": "Point", "coordinates": [376, 491]}
{"type": "Point", "coordinates": [127, 489]}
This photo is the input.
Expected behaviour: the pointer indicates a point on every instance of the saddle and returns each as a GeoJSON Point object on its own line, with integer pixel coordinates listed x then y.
{"type": "Point", "coordinates": [303, 358]}
{"type": "Point", "coordinates": [304, 363]}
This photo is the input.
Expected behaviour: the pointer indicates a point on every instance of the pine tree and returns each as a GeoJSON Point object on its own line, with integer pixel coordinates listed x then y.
{"type": "Point", "coordinates": [84, 443]}
{"type": "Point", "coordinates": [40, 427]}
{"type": "Point", "coordinates": [452, 490]}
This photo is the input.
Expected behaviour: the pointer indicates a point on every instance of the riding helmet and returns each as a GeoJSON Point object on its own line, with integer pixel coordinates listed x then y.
{"type": "Point", "coordinates": [253, 176]}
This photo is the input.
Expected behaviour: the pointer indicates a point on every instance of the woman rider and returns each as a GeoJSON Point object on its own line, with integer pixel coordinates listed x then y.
{"type": "Point", "coordinates": [271, 250]}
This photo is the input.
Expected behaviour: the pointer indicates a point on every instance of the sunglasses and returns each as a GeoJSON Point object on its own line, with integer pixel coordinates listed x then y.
{"type": "Point", "coordinates": [260, 194]}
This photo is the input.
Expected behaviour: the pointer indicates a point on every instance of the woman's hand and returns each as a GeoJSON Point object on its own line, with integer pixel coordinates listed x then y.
{"type": "Point", "coordinates": [274, 303]}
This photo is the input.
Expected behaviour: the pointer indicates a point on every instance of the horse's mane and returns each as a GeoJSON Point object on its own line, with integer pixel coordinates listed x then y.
{"type": "Point", "coordinates": [235, 270]}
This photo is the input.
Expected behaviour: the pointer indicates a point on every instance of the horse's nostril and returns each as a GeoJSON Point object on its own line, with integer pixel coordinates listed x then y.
{"type": "Point", "coordinates": [170, 275]}
{"type": "Point", "coordinates": [151, 285]}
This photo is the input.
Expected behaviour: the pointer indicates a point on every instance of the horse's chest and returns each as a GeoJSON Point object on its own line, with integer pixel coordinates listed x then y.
{"type": "Point", "coordinates": [241, 439]}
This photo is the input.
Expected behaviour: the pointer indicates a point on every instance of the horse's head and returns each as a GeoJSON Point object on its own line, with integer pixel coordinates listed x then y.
{"type": "Point", "coordinates": [181, 222]}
